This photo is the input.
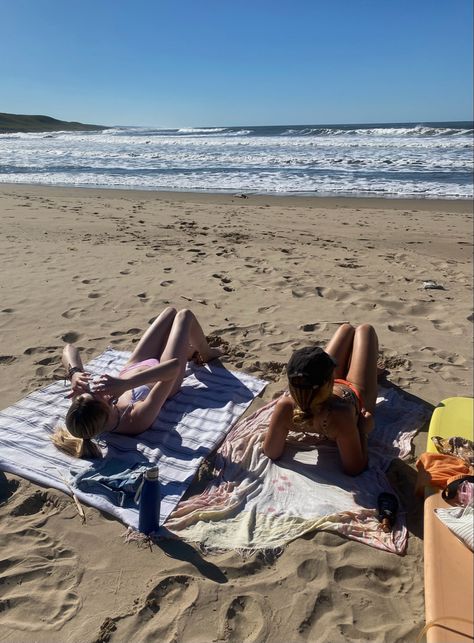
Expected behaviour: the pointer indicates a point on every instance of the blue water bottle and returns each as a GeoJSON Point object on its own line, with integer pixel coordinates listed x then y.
{"type": "Point", "coordinates": [149, 504]}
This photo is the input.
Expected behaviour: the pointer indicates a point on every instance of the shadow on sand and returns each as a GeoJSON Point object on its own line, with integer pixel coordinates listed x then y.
{"type": "Point", "coordinates": [179, 550]}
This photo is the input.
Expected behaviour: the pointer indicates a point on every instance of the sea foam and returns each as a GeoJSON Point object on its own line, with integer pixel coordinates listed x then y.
{"type": "Point", "coordinates": [429, 160]}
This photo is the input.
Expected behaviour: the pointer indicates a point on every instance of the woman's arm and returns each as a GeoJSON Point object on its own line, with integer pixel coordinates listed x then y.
{"type": "Point", "coordinates": [71, 358]}
{"type": "Point", "coordinates": [144, 413]}
{"type": "Point", "coordinates": [72, 362]}
{"type": "Point", "coordinates": [366, 421]}
{"type": "Point", "coordinates": [280, 425]}
{"type": "Point", "coordinates": [163, 372]}
{"type": "Point", "coordinates": [351, 441]}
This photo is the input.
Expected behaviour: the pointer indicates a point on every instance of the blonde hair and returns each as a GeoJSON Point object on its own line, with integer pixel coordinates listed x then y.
{"type": "Point", "coordinates": [85, 419]}
{"type": "Point", "coordinates": [76, 447]}
{"type": "Point", "coordinates": [307, 400]}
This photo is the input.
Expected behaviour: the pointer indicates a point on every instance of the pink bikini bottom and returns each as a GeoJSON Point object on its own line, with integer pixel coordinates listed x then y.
{"type": "Point", "coordinates": [147, 363]}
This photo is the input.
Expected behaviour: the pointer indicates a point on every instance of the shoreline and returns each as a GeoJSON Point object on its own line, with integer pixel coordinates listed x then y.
{"type": "Point", "coordinates": [461, 205]}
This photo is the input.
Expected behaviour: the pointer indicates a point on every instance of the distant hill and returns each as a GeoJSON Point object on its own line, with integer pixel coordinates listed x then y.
{"type": "Point", "coordinates": [27, 123]}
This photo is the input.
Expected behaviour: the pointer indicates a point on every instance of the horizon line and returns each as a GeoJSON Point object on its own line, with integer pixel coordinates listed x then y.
{"type": "Point", "coordinates": [358, 123]}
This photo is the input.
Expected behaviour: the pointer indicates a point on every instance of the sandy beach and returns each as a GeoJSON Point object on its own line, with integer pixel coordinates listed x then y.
{"type": "Point", "coordinates": [264, 275]}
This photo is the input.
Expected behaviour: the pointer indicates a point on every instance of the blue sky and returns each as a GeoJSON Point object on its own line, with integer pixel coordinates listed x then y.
{"type": "Point", "coordinates": [255, 62]}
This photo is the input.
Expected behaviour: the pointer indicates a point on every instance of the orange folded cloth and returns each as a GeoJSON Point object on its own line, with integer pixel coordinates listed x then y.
{"type": "Point", "coordinates": [438, 470]}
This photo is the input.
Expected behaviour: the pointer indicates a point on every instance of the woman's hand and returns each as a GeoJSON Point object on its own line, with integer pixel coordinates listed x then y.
{"type": "Point", "coordinates": [79, 384]}
{"type": "Point", "coordinates": [366, 421]}
{"type": "Point", "coordinates": [110, 385]}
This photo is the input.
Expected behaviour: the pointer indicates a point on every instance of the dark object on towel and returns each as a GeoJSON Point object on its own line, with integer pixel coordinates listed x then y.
{"type": "Point", "coordinates": [387, 505]}
{"type": "Point", "coordinates": [450, 492]}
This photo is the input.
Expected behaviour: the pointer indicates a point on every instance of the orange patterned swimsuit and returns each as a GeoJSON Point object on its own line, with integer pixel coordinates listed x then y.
{"type": "Point", "coordinates": [351, 395]}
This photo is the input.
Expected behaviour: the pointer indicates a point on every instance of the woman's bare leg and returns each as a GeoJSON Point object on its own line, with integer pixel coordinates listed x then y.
{"type": "Point", "coordinates": [363, 367]}
{"type": "Point", "coordinates": [198, 341]}
{"type": "Point", "coordinates": [186, 332]}
{"type": "Point", "coordinates": [340, 349]}
{"type": "Point", "coordinates": [154, 339]}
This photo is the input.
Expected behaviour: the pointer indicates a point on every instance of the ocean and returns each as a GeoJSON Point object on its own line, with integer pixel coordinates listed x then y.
{"type": "Point", "coordinates": [430, 160]}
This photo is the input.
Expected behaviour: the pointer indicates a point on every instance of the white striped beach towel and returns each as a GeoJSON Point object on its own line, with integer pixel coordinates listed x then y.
{"type": "Point", "coordinates": [189, 427]}
{"type": "Point", "coordinates": [459, 520]}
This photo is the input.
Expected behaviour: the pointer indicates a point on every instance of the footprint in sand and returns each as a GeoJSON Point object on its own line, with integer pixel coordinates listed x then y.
{"type": "Point", "coordinates": [162, 616]}
{"type": "Point", "coordinates": [330, 293]}
{"type": "Point", "coordinates": [268, 309]}
{"type": "Point", "coordinates": [445, 372]}
{"type": "Point", "coordinates": [322, 607]}
{"type": "Point", "coordinates": [7, 359]}
{"type": "Point", "coordinates": [402, 328]}
{"type": "Point", "coordinates": [244, 620]}
{"type": "Point", "coordinates": [39, 502]}
{"type": "Point", "coordinates": [406, 382]}
{"type": "Point", "coordinates": [308, 328]}
{"type": "Point", "coordinates": [350, 264]}
{"type": "Point", "coordinates": [297, 293]}
{"type": "Point", "coordinates": [72, 312]}
{"type": "Point", "coordinates": [442, 325]}
{"type": "Point", "coordinates": [130, 331]}
{"type": "Point", "coordinates": [70, 337]}
{"type": "Point", "coordinates": [43, 349]}
{"type": "Point", "coordinates": [452, 358]}
{"type": "Point", "coordinates": [351, 633]}
{"type": "Point", "coordinates": [29, 559]}
{"type": "Point", "coordinates": [118, 342]}
{"type": "Point", "coordinates": [359, 287]}
{"type": "Point", "coordinates": [46, 361]}
{"type": "Point", "coordinates": [382, 579]}
{"type": "Point", "coordinates": [373, 590]}
{"type": "Point", "coordinates": [310, 569]}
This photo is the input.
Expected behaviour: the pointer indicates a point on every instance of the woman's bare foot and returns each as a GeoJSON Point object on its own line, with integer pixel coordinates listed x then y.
{"type": "Point", "coordinates": [196, 358]}
{"type": "Point", "coordinates": [202, 358]}
{"type": "Point", "coordinates": [214, 353]}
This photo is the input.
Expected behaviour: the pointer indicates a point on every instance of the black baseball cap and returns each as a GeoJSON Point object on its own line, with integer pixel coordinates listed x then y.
{"type": "Point", "coordinates": [311, 366]}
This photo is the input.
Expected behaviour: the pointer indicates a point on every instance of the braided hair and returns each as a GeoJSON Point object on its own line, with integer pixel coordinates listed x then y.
{"type": "Point", "coordinates": [308, 370]}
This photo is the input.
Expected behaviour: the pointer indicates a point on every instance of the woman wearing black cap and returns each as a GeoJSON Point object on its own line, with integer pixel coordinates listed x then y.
{"type": "Point", "coordinates": [332, 393]}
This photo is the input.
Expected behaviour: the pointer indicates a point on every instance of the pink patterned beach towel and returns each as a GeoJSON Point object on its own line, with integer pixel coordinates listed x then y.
{"type": "Point", "coordinates": [254, 503]}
